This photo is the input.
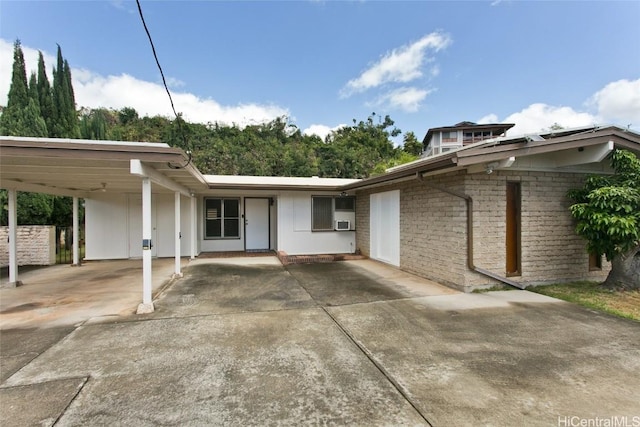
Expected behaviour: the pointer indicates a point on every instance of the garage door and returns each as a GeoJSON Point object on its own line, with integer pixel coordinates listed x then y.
{"type": "Point", "coordinates": [385, 227]}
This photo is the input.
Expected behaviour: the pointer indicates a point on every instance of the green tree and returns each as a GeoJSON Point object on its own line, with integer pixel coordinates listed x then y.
{"type": "Point", "coordinates": [65, 118]}
{"type": "Point", "coordinates": [32, 208]}
{"type": "Point", "coordinates": [45, 100]}
{"type": "Point", "coordinates": [411, 145]}
{"type": "Point", "coordinates": [17, 100]}
{"type": "Point", "coordinates": [607, 210]}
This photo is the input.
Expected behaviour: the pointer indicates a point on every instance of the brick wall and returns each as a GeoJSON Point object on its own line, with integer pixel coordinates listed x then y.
{"type": "Point", "coordinates": [433, 232]}
{"type": "Point", "coordinates": [36, 245]}
{"type": "Point", "coordinates": [433, 228]}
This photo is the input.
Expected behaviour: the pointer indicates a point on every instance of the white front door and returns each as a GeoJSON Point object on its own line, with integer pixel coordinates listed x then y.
{"type": "Point", "coordinates": [135, 227]}
{"type": "Point", "coordinates": [256, 224]}
{"type": "Point", "coordinates": [385, 227]}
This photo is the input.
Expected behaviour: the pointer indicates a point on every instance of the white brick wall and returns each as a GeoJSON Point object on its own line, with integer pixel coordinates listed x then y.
{"type": "Point", "coordinates": [36, 245]}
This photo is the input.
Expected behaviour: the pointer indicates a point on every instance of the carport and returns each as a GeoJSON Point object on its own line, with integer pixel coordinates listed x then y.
{"type": "Point", "coordinates": [82, 168]}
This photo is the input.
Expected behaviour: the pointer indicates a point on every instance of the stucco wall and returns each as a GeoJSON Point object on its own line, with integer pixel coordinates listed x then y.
{"type": "Point", "coordinates": [433, 228]}
{"type": "Point", "coordinates": [294, 228]}
{"type": "Point", "coordinates": [35, 244]}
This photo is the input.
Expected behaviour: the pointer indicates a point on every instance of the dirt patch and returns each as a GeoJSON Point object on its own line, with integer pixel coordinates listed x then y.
{"type": "Point", "coordinates": [22, 307]}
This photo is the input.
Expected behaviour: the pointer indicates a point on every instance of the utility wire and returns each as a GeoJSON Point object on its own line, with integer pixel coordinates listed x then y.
{"type": "Point", "coordinates": [164, 82]}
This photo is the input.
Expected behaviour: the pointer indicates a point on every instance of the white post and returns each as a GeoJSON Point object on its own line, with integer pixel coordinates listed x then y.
{"type": "Point", "coordinates": [193, 227]}
{"type": "Point", "coordinates": [76, 233]}
{"type": "Point", "coordinates": [13, 240]}
{"type": "Point", "coordinates": [147, 303]}
{"type": "Point", "coordinates": [178, 235]}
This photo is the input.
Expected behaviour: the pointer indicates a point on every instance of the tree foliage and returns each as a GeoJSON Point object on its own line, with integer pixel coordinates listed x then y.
{"type": "Point", "coordinates": [276, 148]}
{"type": "Point", "coordinates": [607, 210]}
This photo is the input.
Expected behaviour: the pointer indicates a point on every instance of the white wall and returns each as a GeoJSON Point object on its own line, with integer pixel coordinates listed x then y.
{"type": "Point", "coordinates": [108, 224]}
{"type": "Point", "coordinates": [106, 231]}
{"type": "Point", "coordinates": [294, 228]}
{"type": "Point", "coordinates": [108, 234]}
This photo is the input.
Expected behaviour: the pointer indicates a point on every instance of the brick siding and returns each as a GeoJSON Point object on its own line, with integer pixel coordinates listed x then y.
{"type": "Point", "coordinates": [35, 244]}
{"type": "Point", "coordinates": [433, 228]}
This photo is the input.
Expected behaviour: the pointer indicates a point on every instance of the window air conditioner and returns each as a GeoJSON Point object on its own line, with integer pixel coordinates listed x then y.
{"type": "Point", "coordinates": [343, 225]}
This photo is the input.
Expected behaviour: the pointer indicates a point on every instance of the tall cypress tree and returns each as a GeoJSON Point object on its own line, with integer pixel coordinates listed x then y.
{"type": "Point", "coordinates": [73, 130]}
{"type": "Point", "coordinates": [44, 94]}
{"type": "Point", "coordinates": [65, 120]}
{"type": "Point", "coordinates": [18, 98]}
{"type": "Point", "coordinates": [58, 98]}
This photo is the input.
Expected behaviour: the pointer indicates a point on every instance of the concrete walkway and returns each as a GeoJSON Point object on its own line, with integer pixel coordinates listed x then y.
{"type": "Point", "coordinates": [348, 343]}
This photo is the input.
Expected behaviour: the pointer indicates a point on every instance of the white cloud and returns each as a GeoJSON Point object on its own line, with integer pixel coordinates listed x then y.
{"type": "Point", "coordinates": [173, 83]}
{"type": "Point", "coordinates": [489, 118]}
{"type": "Point", "coordinates": [321, 130]}
{"type": "Point", "coordinates": [93, 90]}
{"type": "Point", "coordinates": [405, 98]}
{"type": "Point", "coordinates": [539, 117]}
{"type": "Point", "coordinates": [401, 65]}
{"type": "Point", "coordinates": [618, 102]}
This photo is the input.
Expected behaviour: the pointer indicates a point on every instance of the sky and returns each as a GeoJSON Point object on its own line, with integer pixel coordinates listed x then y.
{"type": "Point", "coordinates": [323, 64]}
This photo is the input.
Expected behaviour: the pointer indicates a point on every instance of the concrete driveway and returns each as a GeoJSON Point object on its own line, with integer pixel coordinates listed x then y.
{"type": "Point", "coordinates": [349, 343]}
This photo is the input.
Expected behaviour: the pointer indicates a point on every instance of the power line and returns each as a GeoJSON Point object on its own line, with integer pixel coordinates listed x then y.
{"type": "Point", "coordinates": [164, 82]}
{"type": "Point", "coordinates": [155, 55]}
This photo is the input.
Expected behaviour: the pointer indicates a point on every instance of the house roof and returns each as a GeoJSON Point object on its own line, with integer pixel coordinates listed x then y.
{"type": "Point", "coordinates": [276, 182]}
{"type": "Point", "coordinates": [498, 127]}
{"type": "Point", "coordinates": [72, 167]}
{"type": "Point", "coordinates": [501, 149]}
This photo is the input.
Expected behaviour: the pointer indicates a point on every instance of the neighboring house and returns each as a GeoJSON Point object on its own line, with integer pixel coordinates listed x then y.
{"type": "Point", "coordinates": [487, 212]}
{"type": "Point", "coordinates": [449, 138]}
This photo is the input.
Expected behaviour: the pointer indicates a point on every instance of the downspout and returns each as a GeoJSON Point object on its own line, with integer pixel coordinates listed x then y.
{"type": "Point", "coordinates": [470, 264]}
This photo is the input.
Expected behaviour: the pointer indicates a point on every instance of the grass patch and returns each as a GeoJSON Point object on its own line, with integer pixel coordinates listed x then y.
{"type": "Point", "coordinates": [589, 294]}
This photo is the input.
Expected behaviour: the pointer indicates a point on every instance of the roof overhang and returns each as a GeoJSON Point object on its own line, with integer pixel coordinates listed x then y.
{"type": "Point", "coordinates": [583, 146]}
{"type": "Point", "coordinates": [276, 183]}
{"type": "Point", "coordinates": [82, 168]}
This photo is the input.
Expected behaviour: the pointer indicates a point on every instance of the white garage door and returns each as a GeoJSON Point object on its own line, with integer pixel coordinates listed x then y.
{"type": "Point", "coordinates": [385, 227]}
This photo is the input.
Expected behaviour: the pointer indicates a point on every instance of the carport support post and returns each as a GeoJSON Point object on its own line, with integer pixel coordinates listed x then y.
{"type": "Point", "coordinates": [178, 236]}
{"type": "Point", "coordinates": [193, 226]}
{"type": "Point", "coordinates": [13, 240]}
{"type": "Point", "coordinates": [147, 304]}
{"type": "Point", "coordinates": [76, 233]}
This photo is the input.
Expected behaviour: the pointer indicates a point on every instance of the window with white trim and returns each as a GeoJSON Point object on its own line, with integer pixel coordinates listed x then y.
{"type": "Point", "coordinates": [221, 218]}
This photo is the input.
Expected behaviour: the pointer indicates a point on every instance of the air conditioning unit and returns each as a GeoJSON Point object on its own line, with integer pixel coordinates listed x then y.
{"type": "Point", "coordinates": [343, 225]}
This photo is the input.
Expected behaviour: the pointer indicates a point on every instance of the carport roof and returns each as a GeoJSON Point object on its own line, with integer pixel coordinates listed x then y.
{"type": "Point", "coordinates": [71, 167]}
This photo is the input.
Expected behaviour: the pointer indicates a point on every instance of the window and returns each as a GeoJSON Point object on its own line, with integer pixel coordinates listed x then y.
{"type": "Point", "coordinates": [513, 230]}
{"type": "Point", "coordinates": [451, 136]}
{"type": "Point", "coordinates": [222, 218]}
{"type": "Point", "coordinates": [326, 209]}
{"type": "Point", "coordinates": [595, 262]}
{"type": "Point", "coordinates": [321, 213]}
{"type": "Point", "coordinates": [345, 204]}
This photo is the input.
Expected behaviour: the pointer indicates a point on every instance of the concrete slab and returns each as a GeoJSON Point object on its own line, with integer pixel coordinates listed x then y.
{"type": "Point", "coordinates": [507, 358]}
{"type": "Point", "coordinates": [62, 295]}
{"type": "Point", "coordinates": [20, 346]}
{"type": "Point", "coordinates": [39, 404]}
{"type": "Point", "coordinates": [355, 343]}
{"type": "Point", "coordinates": [214, 288]}
{"type": "Point", "coordinates": [287, 367]}
{"type": "Point", "coordinates": [361, 281]}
